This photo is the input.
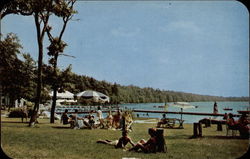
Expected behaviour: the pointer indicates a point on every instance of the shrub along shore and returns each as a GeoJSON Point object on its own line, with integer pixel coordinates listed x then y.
{"type": "Point", "coordinates": [58, 141]}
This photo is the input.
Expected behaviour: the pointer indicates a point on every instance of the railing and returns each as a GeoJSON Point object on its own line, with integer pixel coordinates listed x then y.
{"type": "Point", "coordinates": [186, 113]}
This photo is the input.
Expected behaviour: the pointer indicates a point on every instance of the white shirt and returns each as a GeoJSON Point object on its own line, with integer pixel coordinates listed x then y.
{"type": "Point", "coordinates": [99, 114]}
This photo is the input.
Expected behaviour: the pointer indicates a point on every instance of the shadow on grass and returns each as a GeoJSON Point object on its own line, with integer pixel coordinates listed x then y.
{"type": "Point", "coordinates": [224, 137]}
{"type": "Point", "coordinates": [178, 137]}
{"type": "Point", "coordinates": [218, 137]}
{"type": "Point", "coordinates": [172, 128]}
{"type": "Point", "coordinates": [20, 122]}
{"type": "Point", "coordinates": [61, 127]}
{"type": "Point", "coordinates": [15, 122]}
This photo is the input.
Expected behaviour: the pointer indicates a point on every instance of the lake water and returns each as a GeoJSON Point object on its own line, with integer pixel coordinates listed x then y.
{"type": "Point", "coordinates": [203, 107]}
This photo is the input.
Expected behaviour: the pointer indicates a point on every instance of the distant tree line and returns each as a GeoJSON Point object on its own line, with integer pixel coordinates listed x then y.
{"type": "Point", "coordinates": [134, 94]}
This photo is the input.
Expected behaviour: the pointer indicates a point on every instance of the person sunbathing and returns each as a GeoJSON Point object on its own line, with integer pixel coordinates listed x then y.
{"type": "Point", "coordinates": [147, 146]}
{"type": "Point", "coordinates": [121, 143]}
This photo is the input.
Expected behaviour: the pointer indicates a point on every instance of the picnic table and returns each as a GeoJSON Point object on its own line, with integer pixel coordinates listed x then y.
{"type": "Point", "coordinates": [171, 123]}
{"type": "Point", "coordinates": [208, 122]}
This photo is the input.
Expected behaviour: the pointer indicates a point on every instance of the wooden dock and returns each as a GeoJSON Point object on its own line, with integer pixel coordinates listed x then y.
{"type": "Point", "coordinates": [184, 113]}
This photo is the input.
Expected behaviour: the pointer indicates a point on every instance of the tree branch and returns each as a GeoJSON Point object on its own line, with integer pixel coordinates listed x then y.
{"type": "Point", "coordinates": [68, 55]}
{"type": "Point", "coordinates": [9, 11]}
{"type": "Point", "coordinates": [45, 24]}
{"type": "Point", "coordinates": [49, 35]}
{"type": "Point", "coordinates": [67, 18]}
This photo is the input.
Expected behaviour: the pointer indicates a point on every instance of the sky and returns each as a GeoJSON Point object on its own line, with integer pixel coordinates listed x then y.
{"type": "Point", "coordinates": [199, 47]}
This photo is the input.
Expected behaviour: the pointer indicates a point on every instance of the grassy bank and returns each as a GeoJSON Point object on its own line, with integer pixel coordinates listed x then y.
{"type": "Point", "coordinates": [53, 141]}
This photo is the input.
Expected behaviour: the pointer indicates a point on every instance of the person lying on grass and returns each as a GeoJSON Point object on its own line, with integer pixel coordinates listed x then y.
{"type": "Point", "coordinates": [121, 143]}
{"type": "Point", "coordinates": [147, 146]}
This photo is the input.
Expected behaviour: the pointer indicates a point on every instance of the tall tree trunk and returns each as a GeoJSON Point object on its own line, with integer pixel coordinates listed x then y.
{"type": "Point", "coordinates": [34, 115]}
{"type": "Point", "coordinates": [53, 107]}
{"type": "Point", "coordinates": [10, 104]}
{"type": "Point", "coordinates": [55, 88]}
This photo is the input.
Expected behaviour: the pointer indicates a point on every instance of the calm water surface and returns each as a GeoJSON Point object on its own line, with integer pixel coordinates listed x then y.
{"type": "Point", "coordinates": [203, 107]}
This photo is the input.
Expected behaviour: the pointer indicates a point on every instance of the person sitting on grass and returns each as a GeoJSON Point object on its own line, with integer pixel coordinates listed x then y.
{"type": "Point", "coordinates": [121, 143]}
{"type": "Point", "coordinates": [162, 121]}
{"type": "Point", "coordinates": [71, 121]}
{"type": "Point", "coordinates": [128, 121]}
{"type": "Point", "coordinates": [147, 146]}
{"type": "Point", "coordinates": [225, 117]}
{"type": "Point", "coordinates": [161, 144]}
{"type": "Point", "coordinates": [64, 117]}
{"type": "Point", "coordinates": [75, 121]}
{"type": "Point", "coordinates": [116, 120]}
{"type": "Point", "coordinates": [243, 124]}
{"type": "Point", "coordinates": [109, 120]}
{"type": "Point", "coordinates": [91, 121]}
{"type": "Point", "coordinates": [231, 122]}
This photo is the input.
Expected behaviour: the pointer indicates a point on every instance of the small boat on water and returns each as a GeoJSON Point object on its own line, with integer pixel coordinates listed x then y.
{"type": "Point", "coordinates": [161, 106]}
{"type": "Point", "coordinates": [228, 109]}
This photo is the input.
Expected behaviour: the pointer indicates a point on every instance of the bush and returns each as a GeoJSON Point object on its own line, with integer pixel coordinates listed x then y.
{"type": "Point", "coordinates": [17, 113]}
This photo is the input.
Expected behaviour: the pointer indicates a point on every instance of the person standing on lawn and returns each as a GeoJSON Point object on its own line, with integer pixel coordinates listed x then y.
{"type": "Point", "coordinates": [100, 117]}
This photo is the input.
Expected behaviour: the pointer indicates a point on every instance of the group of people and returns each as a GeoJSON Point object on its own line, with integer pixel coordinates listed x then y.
{"type": "Point", "coordinates": [243, 124]}
{"type": "Point", "coordinates": [156, 142]}
{"type": "Point", "coordinates": [112, 121]}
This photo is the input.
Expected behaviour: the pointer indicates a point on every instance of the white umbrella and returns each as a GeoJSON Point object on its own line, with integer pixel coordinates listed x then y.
{"type": "Point", "coordinates": [93, 95]}
{"type": "Point", "coordinates": [103, 98]}
{"type": "Point", "coordinates": [63, 95]}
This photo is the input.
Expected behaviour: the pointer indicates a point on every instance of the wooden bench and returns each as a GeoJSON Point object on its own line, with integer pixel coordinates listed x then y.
{"type": "Point", "coordinates": [171, 123]}
{"type": "Point", "coordinates": [208, 123]}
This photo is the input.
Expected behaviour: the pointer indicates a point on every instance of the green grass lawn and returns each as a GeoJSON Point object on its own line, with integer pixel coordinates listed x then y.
{"type": "Point", "coordinates": [46, 141]}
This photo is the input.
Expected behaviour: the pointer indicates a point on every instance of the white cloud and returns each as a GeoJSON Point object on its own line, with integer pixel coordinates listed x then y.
{"type": "Point", "coordinates": [125, 32]}
{"type": "Point", "coordinates": [184, 26]}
